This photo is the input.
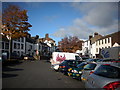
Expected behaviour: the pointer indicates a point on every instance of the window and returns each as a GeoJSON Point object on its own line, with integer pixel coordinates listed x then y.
{"type": "Point", "coordinates": [21, 53]}
{"type": "Point", "coordinates": [102, 41]}
{"type": "Point", "coordinates": [3, 45]}
{"type": "Point", "coordinates": [108, 40]}
{"type": "Point", "coordinates": [108, 71]}
{"type": "Point", "coordinates": [6, 45]}
{"type": "Point", "coordinates": [96, 49]}
{"type": "Point", "coordinates": [14, 45]}
{"type": "Point", "coordinates": [18, 46]}
{"type": "Point", "coordinates": [99, 42]}
{"type": "Point", "coordinates": [21, 46]}
{"type": "Point", "coordinates": [105, 41]}
{"type": "Point", "coordinates": [22, 39]}
{"type": "Point", "coordinates": [30, 46]}
{"type": "Point", "coordinates": [77, 58]}
{"type": "Point", "coordinates": [90, 66]}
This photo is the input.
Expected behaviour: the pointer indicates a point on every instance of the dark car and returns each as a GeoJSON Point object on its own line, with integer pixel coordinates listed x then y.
{"type": "Point", "coordinates": [15, 56]}
{"type": "Point", "coordinates": [4, 56]}
{"type": "Point", "coordinates": [28, 57]}
{"type": "Point", "coordinates": [66, 64]}
{"type": "Point", "coordinates": [109, 60]}
{"type": "Point", "coordinates": [92, 60]}
{"type": "Point", "coordinates": [84, 58]}
{"type": "Point", "coordinates": [77, 72]}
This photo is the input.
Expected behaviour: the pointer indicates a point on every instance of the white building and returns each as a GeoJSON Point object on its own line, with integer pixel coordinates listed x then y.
{"type": "Point", "coordinates": [88, 47]}
{"type": "Point", "coordinates": [108, 41]}
{"type": "Point", "coordinates": [50, 44]}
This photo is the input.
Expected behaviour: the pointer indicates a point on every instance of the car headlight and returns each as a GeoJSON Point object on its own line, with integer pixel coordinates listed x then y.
{"type": "Point", "coordinates": [72, 71]}
{"type": "Point", "coordinates": [80, 72]}
{"type": "Point", "coordinates": [75, 71]}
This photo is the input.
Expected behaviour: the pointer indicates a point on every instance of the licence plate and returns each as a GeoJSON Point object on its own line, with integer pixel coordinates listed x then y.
{"type": "Point", "coordinates": [69, 69]}
{"type": "Point", "coordinates": [69, 74]}
{"type": "Point", "coordinates": [77, 75]}
{"type": "Point", "coordinates": [83, 79]}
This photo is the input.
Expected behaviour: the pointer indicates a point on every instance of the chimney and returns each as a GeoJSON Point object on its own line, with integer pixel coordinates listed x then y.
{"type": "Point", "coordinates": [95, 34]}
{"type": "Point", "coordinates": [90, 36]}
{"type": "Point", "coordinates": [47, 35]}
{"type": "Point", "coordinates": [37, 37]}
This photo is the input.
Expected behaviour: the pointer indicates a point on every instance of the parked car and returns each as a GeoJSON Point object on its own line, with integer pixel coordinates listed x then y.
{"type": "Point", "coordinates": [66, 64]}
{"type": "Point", "coordinates": [84, 58]}
{"type": "Point", "coordinates": [88, 69]}
{"type": "Point", "coordinates": [71, 69]}
{"type": "Point", "coordinates": [106, 76]}
{"type": "Point", "coordinates": [107, 60]}
{"type": "Point", "coordinates": [28, 57]}
{"type": "Point", "coordinates": [4, 56]}
{"type": "Point", "coordinates": [77, 72]}
{"type": "Point", "coordinates": [92, 60]}
{"type": "Point", "coordinates": [15, 56]}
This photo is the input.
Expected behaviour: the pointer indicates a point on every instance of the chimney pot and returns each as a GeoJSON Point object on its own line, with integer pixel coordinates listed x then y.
{"type": "Point", "coordinates": [90, 36]}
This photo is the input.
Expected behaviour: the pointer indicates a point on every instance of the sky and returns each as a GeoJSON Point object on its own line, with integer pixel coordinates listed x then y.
{"type": "Point", "coordinates": [60, 19]}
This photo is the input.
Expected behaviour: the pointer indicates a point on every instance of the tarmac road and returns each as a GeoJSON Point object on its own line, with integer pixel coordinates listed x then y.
{"type": "Point", "coordinates": [36, 74]}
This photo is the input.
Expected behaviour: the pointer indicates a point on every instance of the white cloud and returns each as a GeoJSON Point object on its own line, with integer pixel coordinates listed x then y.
{"type": "Point", "coordinates": [60, 33]}
{"type": "Point", "coordinates": [96, 0]}
{"type": "Point", "coordinates": [60, 0]}
{"type": "Point", "coordinates": [97, 17]}
{"type": "Point", "coordinates": [100, 14]}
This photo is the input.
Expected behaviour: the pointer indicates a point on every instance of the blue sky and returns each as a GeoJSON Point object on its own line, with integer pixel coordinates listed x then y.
{"type": "Point", "coordinates": [60, 19]}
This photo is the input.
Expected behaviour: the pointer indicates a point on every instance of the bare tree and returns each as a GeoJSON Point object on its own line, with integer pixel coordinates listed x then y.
{"type": "Point", "coordinates": [70, 44]}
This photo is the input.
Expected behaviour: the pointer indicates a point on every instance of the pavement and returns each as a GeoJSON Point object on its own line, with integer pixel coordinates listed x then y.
{"type": "Point", "coordinates": [36, 74]}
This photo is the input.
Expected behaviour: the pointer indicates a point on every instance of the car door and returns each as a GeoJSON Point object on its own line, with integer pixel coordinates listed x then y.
{"type": "Point", "coordinates": [87, 70]}
{"type": "Point", "coordinates": [102, 76]}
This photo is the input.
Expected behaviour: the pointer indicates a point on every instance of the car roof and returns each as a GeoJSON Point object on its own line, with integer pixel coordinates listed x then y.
{"type": "Point", "coordinates": [109, 63]}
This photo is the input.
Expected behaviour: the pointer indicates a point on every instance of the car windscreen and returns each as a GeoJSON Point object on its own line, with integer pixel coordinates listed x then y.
{"type": "Point", "coordinates": [90, 66]}
{"type": "Point", "coordinates": [81, 65]}
{"type": "Point", "coordinates": [108, 71]}
{"type": "Point", "coordinates": [67, 62]}
{"type": "Point", "coordinates": [77, 58]}
{"type": "Point", "coordinates": [78, 62]}
{"type": "Point", "coordinates": [64, 62]}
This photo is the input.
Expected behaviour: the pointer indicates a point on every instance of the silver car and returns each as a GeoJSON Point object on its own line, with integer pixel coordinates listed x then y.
{"type": "Point", "coordinates": [106, 76]}
{"type": "Point", "coordinates": [88, 69]}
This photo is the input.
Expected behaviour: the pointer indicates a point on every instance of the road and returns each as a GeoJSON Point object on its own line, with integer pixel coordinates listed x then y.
{"type": "Point", "coordinates": [36, 74]}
